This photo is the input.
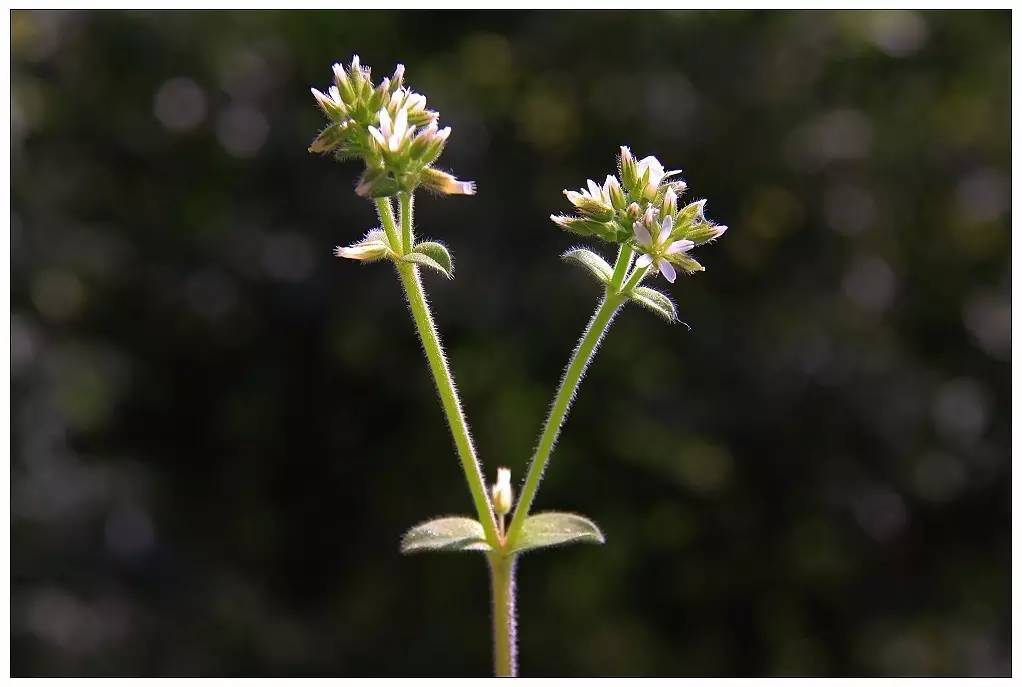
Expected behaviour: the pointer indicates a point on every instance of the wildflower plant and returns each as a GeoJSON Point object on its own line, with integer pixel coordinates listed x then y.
{"type": "Point", "coordinates": [388, 127]}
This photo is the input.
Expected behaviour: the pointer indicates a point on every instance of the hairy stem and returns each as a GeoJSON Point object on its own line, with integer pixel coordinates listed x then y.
{"type": "Point", "coordinates": [580, 359]}
{"type": "Point", "coordinates": [409, 274]}
{"type": "Point", "coordinates": [386, 212]}
{"type": "Point", "coordinates": [636, 278]}
{"type": "Point", "coordinates": [505, 651]}
{"type": "Point", "coordinates": [405, 203]}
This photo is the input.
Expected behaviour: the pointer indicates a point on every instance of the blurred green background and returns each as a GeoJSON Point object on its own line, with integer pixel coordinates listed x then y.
{"type": "Point", "coordinates": [220, 431]}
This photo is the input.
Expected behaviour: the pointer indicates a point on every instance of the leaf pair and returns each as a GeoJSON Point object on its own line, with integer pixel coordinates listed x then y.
{"type": "Point", "coordinates": [432, 255]}
{"type": "Point", "coordinates": [651, 299]}
{"type": "Point", "coordinates": [465, 534]}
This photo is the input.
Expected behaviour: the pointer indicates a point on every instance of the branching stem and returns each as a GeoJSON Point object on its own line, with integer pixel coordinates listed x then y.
{"type": "Point", "coordinates": [580, 359]}
{"type": "Point", "coordinates": [409, 274]}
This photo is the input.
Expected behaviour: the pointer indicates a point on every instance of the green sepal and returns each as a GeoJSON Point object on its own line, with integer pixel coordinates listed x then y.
{"type": "Point", "coordinates": [556, 529]}
{"type": "Point", "coordinates": [329, 138]}
{"type": "Point", "coordinates": [426, 261]}
{"type": "Point", "coordinates": [445, 534]}
{"type": "Point", "coordinates": [438, 253]}
{"type": "Point", "coordinates": [596, 265]}
{"type": "Point", "coordinates": [654, 301]}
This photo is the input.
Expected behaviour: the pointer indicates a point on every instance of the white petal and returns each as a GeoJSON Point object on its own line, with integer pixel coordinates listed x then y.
{"type": "Point", "coordinates": [385, 123]}
{"type": "Point", "coordinates": [378, 136]}
{"type": "Point", "coordinates": [668, 227]}
{"type": "Point", "coordinates": [416, 101]}
{"type": "Point", "coordinates": [641, 234]}
{"type": "Point", "coordinates": [594, 190]}
{"type": "Point", "coordinates": [401, 123]}
{"type": "Point", "coordinates": [667, 269]}
{"type": "Point", "coordinates": [679, 247]}
{"type": "Point", "coordinates": [335, 94]}
{"type": "Point", "coordinates": [644, 260]}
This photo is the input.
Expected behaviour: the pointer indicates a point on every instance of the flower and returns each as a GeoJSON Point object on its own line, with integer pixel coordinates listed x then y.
{"type": "Point", "coordinates": [658, 252]}
{"type": "Point", "coordinates": [392, 135]}
{"type": "Point", "coordinates": [388, 127]}
{"type": "Point", "coordinates": [648, 175]}
{"type": "Point", "coordinates": [446, 184]}
{"type": "Point", "coordinates": [371, 248]}
{"type": "Point", "coordinates": [594, 202]}
{"type": "Point", "coordinates": [502, 493]}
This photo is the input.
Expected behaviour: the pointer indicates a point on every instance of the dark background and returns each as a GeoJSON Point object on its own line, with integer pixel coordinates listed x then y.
{"type": "Point", "coordinates": [220, 431]}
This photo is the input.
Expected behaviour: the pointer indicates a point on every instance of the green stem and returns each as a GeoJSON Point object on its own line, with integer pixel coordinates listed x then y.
{"type": "Point", "coordinates": [624, 260]}
{"type": "Point", "coordinates": [584, 352]}
{"type": "Point", "coordinates": [502, 578]}
{"type": "Point", "coordinates": [405, 202]}
{"type": "Point", "coordinates": [386, 212]}
{"type": "Point", "coordinates": [635, 278]}
{"type": "Point", "coordinates": [409, 274]}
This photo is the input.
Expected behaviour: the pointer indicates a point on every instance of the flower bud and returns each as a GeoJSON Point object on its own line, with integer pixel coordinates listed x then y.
{"type": "Point", "coordinates": [670, 206]}
{"type": "Point", "coordinates": [704, 233]}
{"type": "Point", "coordinates": [330, 138]}
{"type": "Point", "coordinates": [442, 182]}
{"type": "Point", "coordinates": [590, 207]}
{"type": "Point", "coordinates": [344, 85]}
{"type": "Point", "coordinates": [398, 79]}
{"type": "Point", "coordinates": [613, 191]}
{"type": "Point", "coordinates": [364, 251]}
{"type": "Point", "coordinates": [502, 493]}
{"type": "Point", "coordinates": [330, 107]}
{"type": "Point", "coordinates": [686, 262]}
{"type": "Point", "coordinates": [627, 166]}
{"type": "Point", "coordinates": [376, 183]}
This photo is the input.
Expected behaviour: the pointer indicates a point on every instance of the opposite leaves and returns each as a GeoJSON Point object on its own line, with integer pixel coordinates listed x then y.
{"type": "Point", "coordinates": [556, 529]}
{"type": "Point", "coordinates": [596, 265]}
{"type": "Point", "coordinates": [654, 301]}
{"type": "Point", "coordinates": [445, 534]}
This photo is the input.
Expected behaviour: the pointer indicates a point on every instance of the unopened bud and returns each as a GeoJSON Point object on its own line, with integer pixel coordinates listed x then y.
{"type": "Point", "coordinates": [703, 233]}
{"type": "Point", "coordinates": [614, 192]}
{"type": "Point", "coordinates": [442, 182]}
{"type": "Point", "coordinates": [670, 206]}
{"type": "Point", "coordinates": [502, 493]}
{"type": "Point", "coordinates": [365, 251]}
{"type": "Point", "coordinates": [627, 164]}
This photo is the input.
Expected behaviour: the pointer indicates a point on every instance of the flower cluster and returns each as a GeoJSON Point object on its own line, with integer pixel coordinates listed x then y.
{"type": "Point", "coordinates": [389, 128]}
{"type": "Point", "coordinates": [640, 207]}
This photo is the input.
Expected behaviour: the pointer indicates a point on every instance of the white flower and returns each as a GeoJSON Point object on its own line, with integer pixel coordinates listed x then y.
{"type": "Point", "coordinates": [392, 135]}
{"type": "Point", "coordinates": [372, 247]}
{"type": "Point", "coordinates": [656, 174]}
{"type": "Point", "coordinates": [331, 104]}
{"type": "Point", "coordinates": [655, 252]}
{"type": "Point", "coordinates": [502, 493]}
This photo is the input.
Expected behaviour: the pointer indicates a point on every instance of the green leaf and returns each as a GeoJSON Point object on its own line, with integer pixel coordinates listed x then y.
{"type": "Point", "coordinates": [653, 300]}
{"type": "Point", "coordinates": [439, 253]}
{"type": "Point", "coordinates": [556, 529]}
{"type": "Point", "coordinates": [426, 261]}
{"type": "Point", "coordinates": [445, 534]}
{"type": "Point", "coordinates": [596, 265]}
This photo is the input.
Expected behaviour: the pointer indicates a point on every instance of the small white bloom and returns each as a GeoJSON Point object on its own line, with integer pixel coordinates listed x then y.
{"type": "Point", "coordinates": [656, 174]}
{"type": "Point", "coordinates": [655, 251]}
{"type": "Point", "coordinates": [502, 493]}
{"type": "Point", "coordinates": [392, 134]}
{"type": "Point", "coordinates": [364, 251]}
